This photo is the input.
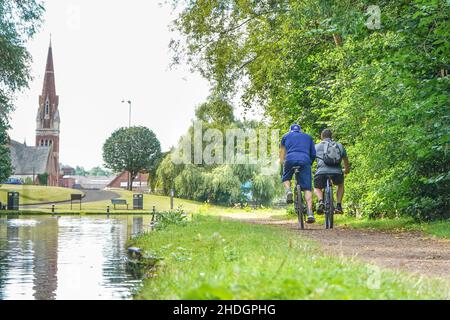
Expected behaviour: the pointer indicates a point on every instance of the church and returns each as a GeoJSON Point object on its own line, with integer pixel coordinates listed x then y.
{"type": "Point", "coordinates": [42, 160]}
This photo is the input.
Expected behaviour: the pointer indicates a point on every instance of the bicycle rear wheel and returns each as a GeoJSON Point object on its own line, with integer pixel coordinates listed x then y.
{"type": "Point", "coordinates": [299, 207]}
{"type": "Point", "coordinates": [329, 206]}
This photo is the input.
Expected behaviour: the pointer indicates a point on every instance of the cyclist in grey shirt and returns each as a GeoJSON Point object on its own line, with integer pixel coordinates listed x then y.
{"type": "Point", "coordinates": [335, 172]}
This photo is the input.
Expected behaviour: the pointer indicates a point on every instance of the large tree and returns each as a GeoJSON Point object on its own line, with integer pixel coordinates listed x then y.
{"type": "Point", "coordinates": [378, 76]}
{"type": "Point", "coordinates": [132, 149]}
{"type": "Point", "coordinates": [19, 21]}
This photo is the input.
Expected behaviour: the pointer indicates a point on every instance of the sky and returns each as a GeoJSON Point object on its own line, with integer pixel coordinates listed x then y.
{"type": "Point", "coordinates": [105, 51]}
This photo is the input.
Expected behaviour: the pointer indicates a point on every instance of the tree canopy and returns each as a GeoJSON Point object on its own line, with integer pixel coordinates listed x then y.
{"type": "Point", "coordinates": [377, 77]}
{"type": "Point", "coordinates": [132, 149]}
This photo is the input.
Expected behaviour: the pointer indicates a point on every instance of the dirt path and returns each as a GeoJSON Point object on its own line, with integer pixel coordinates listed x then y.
{"type": "Point", "coordinates": [406, 251]}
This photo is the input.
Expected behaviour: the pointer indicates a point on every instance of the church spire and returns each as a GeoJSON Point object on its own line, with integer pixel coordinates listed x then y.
{"type": "Point", "coordinates": [47, 120]}
{"type": "Point", "coordinates": [49, 88]}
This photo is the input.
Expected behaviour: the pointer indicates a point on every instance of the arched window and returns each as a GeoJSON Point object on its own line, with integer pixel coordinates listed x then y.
{"type": "Point", "coordinates": [42, 142]}
{"type": "Point", "coordinates": [47, 107]}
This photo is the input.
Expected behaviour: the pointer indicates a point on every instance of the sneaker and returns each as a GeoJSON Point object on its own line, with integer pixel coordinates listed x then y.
{"type": "Point", "coordinates": [289, 197]}
{"type": "Point", "coordinates": [338, 209]}
{"type": "Point", "coordinates": [320, 207]}
{"type": "Point", "coordinates": [311, 218]}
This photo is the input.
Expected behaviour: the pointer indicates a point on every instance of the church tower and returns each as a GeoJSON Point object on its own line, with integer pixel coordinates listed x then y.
{"type": "Point", "coordinates": [47, 120]}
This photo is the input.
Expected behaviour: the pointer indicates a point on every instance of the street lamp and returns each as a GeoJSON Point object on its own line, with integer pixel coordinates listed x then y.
{"type": "Point", "coordinates": [129, 126]}
{"type": "Point", "coordinates": [129, 115]}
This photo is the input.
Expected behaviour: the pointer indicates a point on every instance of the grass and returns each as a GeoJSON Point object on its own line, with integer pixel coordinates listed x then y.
{"type": "Point", "coordinates": [213, 258]}
{"type": "Point", "coordinates": [161, 203]}
{"type": "Point", "coordinates": [36, 194]}
{"type": "Point", "coordinates": [440, 229]}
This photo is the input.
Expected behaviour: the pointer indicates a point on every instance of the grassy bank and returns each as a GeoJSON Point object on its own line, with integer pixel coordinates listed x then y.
{"type": "Point", "coordinates": [214, 259]}
{"type": "Point", "coordinates": [36, 194]}
{"type": "Point", "coordinates": [440, 229]}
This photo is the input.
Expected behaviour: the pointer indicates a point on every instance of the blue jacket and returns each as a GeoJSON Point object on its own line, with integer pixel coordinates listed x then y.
{"type": "Point", "coordinates": [300, 147]}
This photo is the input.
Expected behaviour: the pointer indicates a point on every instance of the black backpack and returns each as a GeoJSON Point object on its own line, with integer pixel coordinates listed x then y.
{"type": "Point", "coordinates": [332, 154]}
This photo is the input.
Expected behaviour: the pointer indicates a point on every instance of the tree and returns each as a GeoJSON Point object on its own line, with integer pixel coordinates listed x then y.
{"type": "Point", "coordinates": [19, 21]}
{"type": "Point", "coordinates": [166, 173]}
{"type": "Point", "coordinates": [152, 170]}
{"type": "Point", "coordinates": [132, 149]}
{"type": "Point", "coordinates": [43, 179]}
{"type": "Point", "coordinates": [383, 91]}
{"type": "Point", "coordinates": [80, 171]}
{"type": "Point", "coordinates": [99, 172]}
{"type": "Point", "coordinates": [5, 161]}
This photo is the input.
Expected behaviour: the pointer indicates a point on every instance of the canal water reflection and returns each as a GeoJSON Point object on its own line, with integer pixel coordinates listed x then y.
{"type": "Point", "coordinates": [71, 257]}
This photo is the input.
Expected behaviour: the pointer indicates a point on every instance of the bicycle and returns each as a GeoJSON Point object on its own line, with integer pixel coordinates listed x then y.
{"type": "Point", "coordinates": [298, 200]}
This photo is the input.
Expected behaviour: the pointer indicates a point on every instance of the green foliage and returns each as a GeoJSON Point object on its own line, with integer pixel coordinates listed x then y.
{"type": "Point", "coordinates": [19, 21]}
{"type": "Point", "coordinates": [5, 161]}
{"type": "Point", "coordinates": [210, 258]}
{"type": "Point", "coordinates": [167, 218]}
{"type": "Point", "coordinates": [99, 172]}
{"type": "Point", "coordinates": [264, 188]}
{"type": "Point", "coordinates": [384, 92]}
{"type": "Point", "coordinates": [216, 183]}
{"type": "Point", "coordinates": [224, 186]}
{"type": "Point", "coordinates": [166, 173]}
{"type": "Point", "coordinates": [43, 179]}
{"type": "Point", "coordinates": [133, 149]}
{"type": "Point", "coordinates": [152, 169]}
{"type": "Point", "coordinates": [190, 183]}
{"type": "Point", "coordinates": [80, 171]}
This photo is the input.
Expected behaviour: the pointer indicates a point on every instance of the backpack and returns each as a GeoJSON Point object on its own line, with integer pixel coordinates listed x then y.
{"type": "Point", "coordinates": [332, 154]}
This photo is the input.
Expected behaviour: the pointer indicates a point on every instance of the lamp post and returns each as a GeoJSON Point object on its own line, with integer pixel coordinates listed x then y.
{"type": "Point", "coordinates": [129, 126]}
{"type": "Point", "coordinates": [129, 114]}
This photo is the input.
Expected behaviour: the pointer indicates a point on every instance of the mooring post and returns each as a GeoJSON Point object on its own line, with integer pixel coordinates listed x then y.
{"type": "Point", "coordinates": [53, 208]}
{"type": "Point", "coordinates": [153, 213]}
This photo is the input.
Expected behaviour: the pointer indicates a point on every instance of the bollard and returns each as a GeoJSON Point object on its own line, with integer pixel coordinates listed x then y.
{"type": "Point", "coordinates": [53, 208]}
{"type": "Point", "coordinates": [107, 209]}
{"type": "Point", "coordinates": [172, 194]}
{"type": "Point", "coordinates": [153, 213]}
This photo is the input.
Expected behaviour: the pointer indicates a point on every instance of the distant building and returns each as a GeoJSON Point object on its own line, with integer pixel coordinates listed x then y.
{"type": "Point", "coordinates": [67, 171]}
{"type": "Point", "coordinates": [121, 181]}
{"type": "Point", "coordinates": [44, 157]}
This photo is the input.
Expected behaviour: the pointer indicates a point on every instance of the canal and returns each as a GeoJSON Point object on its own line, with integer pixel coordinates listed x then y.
{"type": "Point", "coordinates": [69, 257]}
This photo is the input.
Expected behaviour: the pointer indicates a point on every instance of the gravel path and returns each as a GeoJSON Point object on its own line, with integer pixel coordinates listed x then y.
{"type": "Point", "coordinates": [407, 251]}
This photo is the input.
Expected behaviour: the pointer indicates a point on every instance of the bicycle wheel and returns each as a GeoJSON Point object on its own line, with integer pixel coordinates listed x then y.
{"type": "Point", "coordinates": [299, 207]}
{"type": "Point", "coordinates": [329, 204]}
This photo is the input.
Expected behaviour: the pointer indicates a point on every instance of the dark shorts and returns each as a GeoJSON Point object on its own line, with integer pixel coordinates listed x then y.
{"type": "Point", "coordinates": [320, 180]}
{"type": "Point", "coordinates": [305, 175]}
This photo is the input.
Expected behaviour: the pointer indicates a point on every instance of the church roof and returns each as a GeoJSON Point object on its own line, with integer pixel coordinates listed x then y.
{"type": "Point", "coordinates": [29, 160]}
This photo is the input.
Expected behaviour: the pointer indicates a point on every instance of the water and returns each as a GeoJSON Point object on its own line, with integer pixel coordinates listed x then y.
{"type": "Point", "coordinates": [45, 257]}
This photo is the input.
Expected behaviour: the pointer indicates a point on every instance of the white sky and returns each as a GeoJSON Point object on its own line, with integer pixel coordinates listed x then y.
{"type": "Point", "coordinates": [105, 51]}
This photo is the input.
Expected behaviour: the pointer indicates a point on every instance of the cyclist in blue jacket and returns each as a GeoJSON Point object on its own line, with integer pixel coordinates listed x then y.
{"type": "Point", "coordinates": [298, 149]}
